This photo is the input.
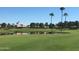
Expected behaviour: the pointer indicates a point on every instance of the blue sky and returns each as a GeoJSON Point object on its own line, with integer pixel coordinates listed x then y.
{"type": "Point", "coordinates": [26, 15]}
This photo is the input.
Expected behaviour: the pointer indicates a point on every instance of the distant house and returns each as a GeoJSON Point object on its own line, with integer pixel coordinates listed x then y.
{"type": "Point", "coordinates": [18, 25]}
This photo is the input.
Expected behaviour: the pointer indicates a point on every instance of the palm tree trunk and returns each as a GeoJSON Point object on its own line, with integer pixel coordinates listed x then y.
{"type": "Point", "coordinates": [65, 22]}
{"type": "Point", "coordinates": [51, 19]}
{"type": "Point", "coordinates": [51, 24]}
{"type": "Point", "coordinates": [61, 20]}
{"type": "Point", "coordinates": [65, 18]}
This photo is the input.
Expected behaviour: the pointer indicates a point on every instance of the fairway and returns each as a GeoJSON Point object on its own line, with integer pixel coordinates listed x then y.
{"type": "Point", "coordinates": [50, 42]}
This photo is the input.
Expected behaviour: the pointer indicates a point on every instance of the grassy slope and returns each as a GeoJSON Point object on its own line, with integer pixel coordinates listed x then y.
{"type": "Point", "coordinates": [58, 42]}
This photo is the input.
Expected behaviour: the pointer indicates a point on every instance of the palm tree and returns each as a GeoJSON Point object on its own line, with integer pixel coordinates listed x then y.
{"type": "Point", "coordinates": [51, 14]}
{"type": "Point", "coordinates": [65, 14]}
{"type": "Point", "coordinates": [62, 8]}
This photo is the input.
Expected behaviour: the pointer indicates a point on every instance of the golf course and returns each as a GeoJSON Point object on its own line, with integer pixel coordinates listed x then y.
{"type": "Point", "coordinates": [39, 29]}
{"type": "Point", "coordinates": [40, 42]}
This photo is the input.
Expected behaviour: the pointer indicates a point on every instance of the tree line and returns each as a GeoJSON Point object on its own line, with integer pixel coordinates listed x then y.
{"type": "Point", "coordinates": [41, 25]}
{"type": "Point", "coordinates": [5, 25]}
{"type": "Point", "coordinates": [65, 25]}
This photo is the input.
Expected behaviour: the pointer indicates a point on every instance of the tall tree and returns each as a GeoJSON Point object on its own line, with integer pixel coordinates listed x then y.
{"type": "Point", "coordinates": [51, 14]}
{"type": "Point", "coordinates": [61, 8]}
{"type": "Point", "coordinates": [65, 15]}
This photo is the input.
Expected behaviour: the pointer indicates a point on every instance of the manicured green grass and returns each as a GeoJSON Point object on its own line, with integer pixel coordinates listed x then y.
{"type": "Point", "coordinates": [50, 42]}
{"type": "Point", "coordinates": [26, 30]}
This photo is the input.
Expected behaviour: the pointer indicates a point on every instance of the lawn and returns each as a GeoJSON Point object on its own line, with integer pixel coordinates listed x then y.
{"type": "Point", "coordinates": [50, 42]}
